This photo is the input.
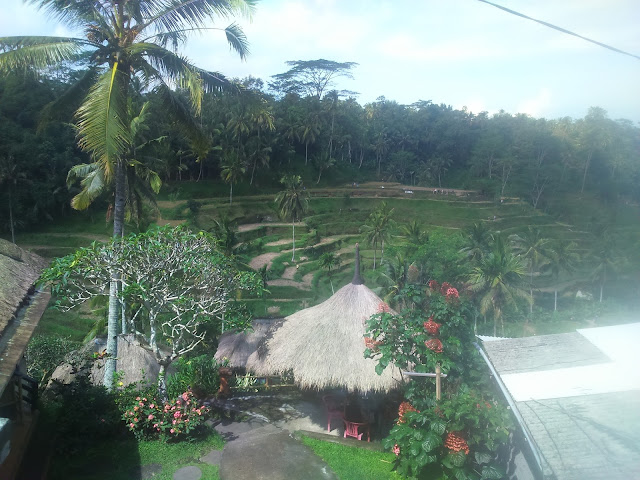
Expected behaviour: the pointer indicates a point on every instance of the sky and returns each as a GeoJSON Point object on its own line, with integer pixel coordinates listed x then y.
{"type": "Point", "coordinates": [462, 53]}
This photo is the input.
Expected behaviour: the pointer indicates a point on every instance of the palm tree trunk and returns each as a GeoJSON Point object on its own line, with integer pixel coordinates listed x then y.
{"type": "Point", "coordinates": [586, 168]}
{"type": "Point", "coordinates": [293, 228]}
{"type": "Point", "coordinates": [306, 152]}
{"type": "Point", "coordinates": [375, 247]}
{"type": "Point", "coordinates": [601, 288]}
{"type": "Point", "coordinates": [13, 234]}
{"type": "Point", "coordinates": [112, 323]}
{"type": "Point", "coordinates": [231, 194]}
{"type": "Point", "coordinates": [555, 301]}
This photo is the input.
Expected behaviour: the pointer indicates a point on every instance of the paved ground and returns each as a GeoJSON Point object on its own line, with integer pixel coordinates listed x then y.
{"type": "Point", "coordinates": [260, 448]}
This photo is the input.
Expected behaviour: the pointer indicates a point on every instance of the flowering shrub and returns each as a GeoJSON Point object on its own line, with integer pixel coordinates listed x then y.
{"type": "Point", "coordinates": [458, 436]}
{"type": "Point", "coordinates": [177, 419]}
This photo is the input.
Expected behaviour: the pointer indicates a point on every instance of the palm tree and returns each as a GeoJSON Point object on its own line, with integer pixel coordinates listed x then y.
{"type": "Point", "coordinates": [606, 261]}
{"type": "Point", "coordinates": [324, 162]}
{"type": "Point", "coordinates": [328, 261]}
{"type": "Point", "coordinates": [293, 203]}
{"type": "Point", "coordinates": [498, 280]}
{"type": "Point", "coordinates": [534, 248]}
{"type": "Point", "coordinates": [232, 170]}
{"type": "Point", "coordinates": [563, 258]}
{"type": "Point", "coordinates": [478, 241]}
{"type": "Point", "coordinates": [125, 41]}
{"type": "Point", "coordinates": [309, 131]}
{"type": "Point", "coordinates": [10, 175]}
{"type": "Point", "coordinates": [376, 230]}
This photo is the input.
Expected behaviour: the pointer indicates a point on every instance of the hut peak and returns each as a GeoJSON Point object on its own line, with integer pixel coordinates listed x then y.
{"type": "Point", "coordinates": [357, 279]}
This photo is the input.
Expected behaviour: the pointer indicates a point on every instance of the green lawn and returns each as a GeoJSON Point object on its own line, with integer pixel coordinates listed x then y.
{"type": "Point", "coordinates": [121, 460]}
{"type": "Point", "coordinates": [353, 463]}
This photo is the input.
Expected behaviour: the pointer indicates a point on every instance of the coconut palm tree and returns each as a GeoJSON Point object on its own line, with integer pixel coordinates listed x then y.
{"type": "Point", "coordinates": [606, 260]}
{"type": "Point", "coordinates": [534, 249]}
{"type": "Point", "coordinates": [563, 258]}
{"type": "Point", "coordinates": [328, 261]}
{"type": "Point", "coordinates": [293, 203]}
{"type": "Point", "coordinates": [377, 229]}
{"type": "Point", "coordinates": [232, 170]}
{"type": "Point", "coordinates": [125, 41]}
{"type": "Point", "coordinates": [10, 176]}
{"type": "Point", "coordinates": [477, 242]}
{"type": "Point", "coordinates": [498, 280]}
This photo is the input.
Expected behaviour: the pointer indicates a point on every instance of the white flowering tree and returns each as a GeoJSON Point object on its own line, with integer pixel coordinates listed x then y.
{"type": "Point", "coordinates": [177, 284]}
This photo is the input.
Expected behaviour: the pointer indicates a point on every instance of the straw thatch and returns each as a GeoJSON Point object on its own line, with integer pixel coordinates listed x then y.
{"type": "Point", "coordinates": [236, 347]}
{"type": "Point", "coordinates": [324, 345]}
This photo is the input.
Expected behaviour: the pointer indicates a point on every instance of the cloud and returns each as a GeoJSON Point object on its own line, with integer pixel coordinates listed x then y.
{"type": "Point", "coordinates": [538, 105]}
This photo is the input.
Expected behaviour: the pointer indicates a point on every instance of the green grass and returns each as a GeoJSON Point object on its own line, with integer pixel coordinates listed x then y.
{"type": "Point", "coordinates": [353, 463]}
{"type": "Point", "coordinates": [118, 460]}
{"type": "Point", "coordinates": [74, 324]}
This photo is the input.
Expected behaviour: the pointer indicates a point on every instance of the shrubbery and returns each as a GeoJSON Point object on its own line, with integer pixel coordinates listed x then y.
{"type": "Point", "coordinates": [199, 374]}
{"type": "Point", "coordinates": [44, 353]}
{"type": "Point", "coordinates": [459, 435]}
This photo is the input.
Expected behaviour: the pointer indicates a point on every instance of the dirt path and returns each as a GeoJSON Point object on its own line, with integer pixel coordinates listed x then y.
{"type": "Point", "coordinates": [254, 226]}
{"type": "Point", "coordinates": [284, 241]}
{"type": "Point", "coordinates": [305, 284]}
{"type": "Point", "coordinates": [261, 260]}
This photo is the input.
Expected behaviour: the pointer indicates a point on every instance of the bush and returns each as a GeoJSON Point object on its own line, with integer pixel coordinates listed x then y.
{"type": "Point", "coordinates": [198, 374]}
{"type": "Point", "coordinates": [178, 419]}
{"type": "Point", "coordinates": [45, 352]}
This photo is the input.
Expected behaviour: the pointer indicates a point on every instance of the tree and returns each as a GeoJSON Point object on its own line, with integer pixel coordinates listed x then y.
{"type": "Point", "coordinates": [563, 258]}
{"type": "Point", "coordinates": [181, 285]}
{"type": "Point", "coordinates": [606, 262]}
{"type": "Point", "coordinates": [534, 249]}
{"type": "Point", "coordinates": [293, 203]}
{"type": "Point", "coordinates": [478, 240]}
{"type": "Point", "coordinates": [498, 280]}
{"type": "Point", "coordinates": [329, 261]}
{"type": "Point", "coordinates": [324, 162]}
{"type": "Point", "coordinates": [10, 176]}
{"type": "Point", "coordinates": [232, 170]}
{"type": "Point", "coordinates": [376, 230]}
{"type": "Point", "coordinates": [124, 40]}
{"type": "Point", "coordinates": [311, 77]}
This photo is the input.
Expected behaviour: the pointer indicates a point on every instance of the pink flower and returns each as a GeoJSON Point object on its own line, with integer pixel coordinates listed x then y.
{"type": "Point", "coordinates": [138, 398]}
{"type": "Point", "coordinates": [396, 449]}
{"type": "Point", "coordinates": [177, 415]}
{"type": "Point", "coordinates": [141, 404]}
{"type": "Point", "coordinates": [186, 421]}
{"type": "Point", "coordinates": [185, 396]}
{"type": "Point", "coordinates": [136, 408]}
{"type": "Point", "coordinates": [172, 430]}
{"type": "Point", "coordinates": [144, 399]}
{"type": "Point", "coordinates": [155, 425]}
{"type": "Point", "coordinates": [131, 425]}
{"type": "Point", "coordinates": [151, 406]}
{"type": "Point", "coordinates": [150, 417]}
{"type": "Point", "coordinates": [135, 419]}
{"type": "Point", "coordinates": [174, 422]}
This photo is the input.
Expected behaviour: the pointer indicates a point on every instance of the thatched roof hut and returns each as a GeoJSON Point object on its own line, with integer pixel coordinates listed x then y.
{"type": "Point", "coordinates": [236, 347]}
{"type": "Point", "coordinates": [324, 345]}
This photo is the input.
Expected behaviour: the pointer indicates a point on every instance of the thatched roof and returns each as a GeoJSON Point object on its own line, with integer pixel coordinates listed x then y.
{"type": "Point", "coordinates": [236, 347]}
{"type": "Point", "coordinates": [324, 345]}
{"type": "Point", "coordinates": [19, 270]}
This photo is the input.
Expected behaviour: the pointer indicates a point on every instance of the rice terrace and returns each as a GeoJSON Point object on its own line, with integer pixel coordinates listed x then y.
{"type": "Point", "coordinates": [212, 275]}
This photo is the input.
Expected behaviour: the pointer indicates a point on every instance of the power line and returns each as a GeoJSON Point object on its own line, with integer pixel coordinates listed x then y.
{"type": "Point", "coordinates": [560, 29]}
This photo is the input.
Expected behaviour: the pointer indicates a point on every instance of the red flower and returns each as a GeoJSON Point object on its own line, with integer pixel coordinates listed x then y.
{"type": "Point", "coordinates": [371, 344]}
{"type": "Point", "coordinates": [383, 308]}
{"type": "Point", "coordinates": [404, 408]}
{"type": "Point", "coordinates": [433, 285]}
{"type": "Point", "coordinates": [431, 326]}
{"type": "Point", "coordinates": [444, 287]}
{"type": "Point", "coordinates": [456, 443]}
{"type": "Point", "coordinates": [452, 293]}
{"type": "Point", "coordinates": [396, 449]}
{"type": "Point", "coordinates": [434, 344]}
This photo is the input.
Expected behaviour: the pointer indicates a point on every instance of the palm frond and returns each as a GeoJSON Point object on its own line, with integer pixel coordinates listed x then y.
{"type": "Point", "coordinates": [180, 112]}
{"type": "Point", "coordinates": [172, 15]}
{"type": "Point", "coordinates": [103, 129]}
{"type": "Point", "coordinates": [71, 12]}
{"type": "Point", "coordinates": [38, 52]}
{"type": "Point", "coordinates": [237, 40]}
{"type": "Point", "coordinates": [92, 181]}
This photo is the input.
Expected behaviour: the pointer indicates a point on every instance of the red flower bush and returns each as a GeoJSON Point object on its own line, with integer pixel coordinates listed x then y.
{"type": "Point", "coordinates": [383, 308]}
{"type": "Point", "coordinates": [444, 287]}
{"type": "Point", "coordinates": [434, 345]}
{"type": "Point", "coordinates": [432, 327]}
{"type": "Point", "coordinates": [404, 408]}
{"type": "Point", "coordinates": [371, 344]}
{"type": "Point", "coordinates": [456, 443]}
{"type": "Point", "coordinates": [452, 293]}
{"type": "Point", "coordinates": [433, 285]}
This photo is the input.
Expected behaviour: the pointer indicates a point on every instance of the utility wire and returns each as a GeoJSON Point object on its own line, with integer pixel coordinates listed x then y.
{"type": "Point", "coordinates": [513, 12]}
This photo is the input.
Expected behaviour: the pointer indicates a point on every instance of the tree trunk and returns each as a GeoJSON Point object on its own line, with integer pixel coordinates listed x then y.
{"type": "Point", "coordinates": [231, 194]}
{"type": "Point", "coordinates": [162, 382]}
{"type": "Point", "coordinates": [586, 168]}
{"type": "Point", "coordinates": [555, 300]}
{"type": "Point", "coordinates": [375, 247]}
{"type": "Point", "coordinates": [601, 289]}
{"type": "Point", "coordinates": [319, 175]}
{"type": "Point", "coordinates": [112, 323]}
{"type": "Point", "coordinates": [253, 170]}
{"type": "Point", "coordinates": [306, 152]}
{"type": "Point", "coordinates": [13, 234]}
{"type": "Point", "coordinates": [293, 228]}
{"type": "Point", "coordinates": [381, 251]}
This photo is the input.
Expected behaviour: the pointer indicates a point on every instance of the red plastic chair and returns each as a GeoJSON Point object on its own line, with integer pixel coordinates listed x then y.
{"type": "Point", "coordinates": [334, 408]}
{"type": "Point", "coordinates": [351, 430]}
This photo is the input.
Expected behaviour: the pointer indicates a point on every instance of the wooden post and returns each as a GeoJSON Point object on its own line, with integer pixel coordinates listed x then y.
{"type": "Point", "coordinates": [438, 386]}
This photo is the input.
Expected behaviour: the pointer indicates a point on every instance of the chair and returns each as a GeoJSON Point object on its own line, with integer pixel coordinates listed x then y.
{"type": "Point", "coordinates": [334, 407]}
{"type": "Point", "coordinates": [351, 430]}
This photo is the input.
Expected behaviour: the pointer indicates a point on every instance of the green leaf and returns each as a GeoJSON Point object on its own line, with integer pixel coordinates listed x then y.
{"type": "Point", "coordinates": [490, 471]}
{"type": "Point", "coordinates": [431, 441]}
{"type": "Point", "coordinates": [482, 458]}
{"type": "Point", "coordinates": [457, 458]}
{"type": "Point", "coordinates": [438, 427]}
{"type": "Point", "coordinates": [460, 474]}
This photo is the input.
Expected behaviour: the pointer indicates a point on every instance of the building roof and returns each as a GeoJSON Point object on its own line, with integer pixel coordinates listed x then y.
{"type": "Point", "coordinates": [578, 396]}
{"type": "Point", "coordinates": [20, 305]}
